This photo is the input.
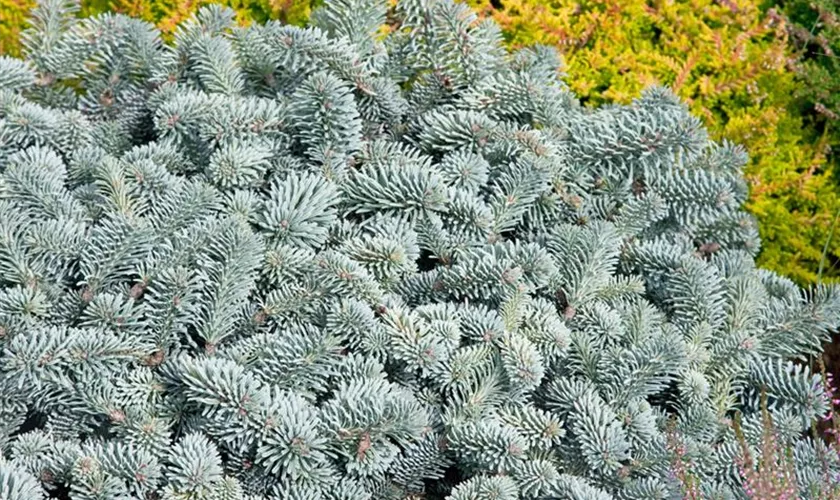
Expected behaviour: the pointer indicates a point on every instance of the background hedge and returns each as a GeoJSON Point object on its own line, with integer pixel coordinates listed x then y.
{"type": "Point", "coordinates": [166, 14]}
{"type": "Point", "coordinates": [734, 62]}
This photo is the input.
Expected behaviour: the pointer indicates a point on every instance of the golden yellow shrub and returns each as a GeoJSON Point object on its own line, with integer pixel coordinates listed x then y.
{"type": "Point", "coordinates": [166, 14]}
{"type": "Point", "coordinates": [13, 14]}
{"type": "Point", "coordinates": [730, 60]}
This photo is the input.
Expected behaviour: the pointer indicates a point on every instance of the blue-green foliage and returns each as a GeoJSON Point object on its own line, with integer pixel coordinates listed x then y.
{"type": "Point", "coordinates": [320, 263]}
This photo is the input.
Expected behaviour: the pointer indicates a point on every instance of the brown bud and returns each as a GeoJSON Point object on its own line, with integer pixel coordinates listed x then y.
{"type": "Point", "coordinates": [106, 98]}
{"type": "Point", "coordinates": [624, 472]}
{"type": "Point", "coordinates": [639, 186]}
{"type": "Point", "coordinates": [86, 465]}
{"type": "Point", "coordinates": [364, 446]}
{"type": "Point", "coordinates": [443, 444]}
{"type": "Point", "coordinates": [137, 290]}
{"type": "Point", "coordinates": [116, 415]}
{"type": "Point", "coordinates": [154, 359]}
{"type": "Point", "coordinates": [46, 79]}
{"type": "Point", "coordinates": [45, 359]}
{"type": "Point", "coordinates": [709, 248]}
{"type": "Point", "coordinates": [47, 476]}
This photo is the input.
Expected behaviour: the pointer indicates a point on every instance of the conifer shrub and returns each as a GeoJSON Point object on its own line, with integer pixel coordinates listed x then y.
{"type": "Point", "coordinates": [737, 66]}
{"type": "Point", "coordinates": [274, 262]}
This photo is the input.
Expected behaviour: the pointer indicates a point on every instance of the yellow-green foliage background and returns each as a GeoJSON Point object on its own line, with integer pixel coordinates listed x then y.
{"type": "Point", "coordinates": [166, 14]}
{"type": "Point", "coordinates": [729, 59]}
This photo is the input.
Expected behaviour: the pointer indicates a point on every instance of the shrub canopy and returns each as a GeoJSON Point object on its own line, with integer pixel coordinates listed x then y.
{"type": "Point", "coordinates": [322, 263]}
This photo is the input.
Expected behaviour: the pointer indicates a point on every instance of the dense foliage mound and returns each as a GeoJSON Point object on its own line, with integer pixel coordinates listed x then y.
{"type": "Point", "coordinates": [756, 76]}
{"type": "Point", "coordinates": [320, 263]}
